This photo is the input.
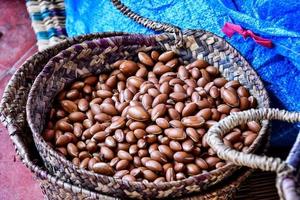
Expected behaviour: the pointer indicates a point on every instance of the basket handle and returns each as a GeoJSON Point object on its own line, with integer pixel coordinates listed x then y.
{"type": "Point", "coordinates": [157, 26]}
{"type": "Point", "coordinates": [214, 139]}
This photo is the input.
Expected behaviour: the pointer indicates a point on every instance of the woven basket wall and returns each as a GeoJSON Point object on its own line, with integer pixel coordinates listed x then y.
{"type": "Point", "coordinates": [13, 116]}
{"type": "Point", "coordinates": [94, 57]}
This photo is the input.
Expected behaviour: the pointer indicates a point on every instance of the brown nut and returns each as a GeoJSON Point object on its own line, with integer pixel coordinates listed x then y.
{"type": "Point", "coordinates": [243, 92]}
{"type": "Point", "coordinates": [122, 164]}
{"type": "Point", "coordinates": [121, 173]}
{"type": "Point", "coordinates": [158, 156]}
{"type": "Point", "coordinates": [48, 135]}
{"type": "Point", "coordinates": [100, 136]}
{"type": "Point", "coordinates": [183, 157]}
{"type": "Point", "coordinates": [175, 133]}
{"type": "Point", "coordinates": [175, 145]}
{"type": "Point", "coordinates": [193, 121]}
{"type": "Point", "coordinates": [103, 168]}
{"type": "Point", "coordinates": [153, 165]}
{"type": "Point", "coordinates": [179, 167]}
{"type": "Point", "coordinates": [188, 145]}
{"type": "Point", "coordinates": [212, 161]}
{"type": "Point", "coordinates": [189, 109]}
{"type": "Point", "coordinates": [64, 125]}
{"type": "Point", "coordinates": [174, 114]}
{"type": "Point", "coordinates": [162, 98]}
{"type": "Point", "coordinates": [128, 178]}
{"type": "Point", "coordinates": [170, 174]}
{"type": "Point", "coordinates": [178, 96]}
{"type": "Point", "coordinates": [254, 126]}
{"type": "Point", "coordinates": [145, 59]}
{"type": "Point", "coordinates": [201, 163]}
{"type": "Point", "coordinates": [192, 133]}
{"type": "Point", "coordinates": [128, 67]}
{"type": "Point", "coordinates": [250, 139]}
{"type": "Point", "coordinates": [165, 88]}
{"type": "Point", "coordinates": [62, 140]}
{"type": "Point", "coordinates": [199, 64]}
{"type": "Point", "coordinates": [162, 123]}
{"type": "Point", "coordinates": [110, 142]}
{"type": "Point", "coordinates": [206, 113]}
{"type": "Point", "coordinates": [149, 175]}
{"type": "Point", "coordinates": [158, 111]}
{"type": "Point", "coordinates": [166, 56]}
{"type": "Point", "coordinates": [138, 113]}
{"type": "Point", "coordinates": [137, 125]}
{"type": "Point", "coordinates": [230, 97]}
{"type": "Point", "coordinates": [108, 109]}
{"type": "Point", "coordinates": [183, 73]}
{"type": "Point", "coordinates": [72, 150]}
{"type": "Point", "coordinates": [91, 80]}
{"type": "Point", "coordinates": [68, 106]}
{"type": "Point", "coordinates": [77, 116]}
{"type": "Point", "coordinates": [192, 169]}
{"type": "Point", "coordinates": [153, 129]}
{"type": "Point", "coordinates": [233, 137]}
{"type": "Point", "coordinates": [124, 155]}
{"type": "Point", "coordinates": [166, 150]}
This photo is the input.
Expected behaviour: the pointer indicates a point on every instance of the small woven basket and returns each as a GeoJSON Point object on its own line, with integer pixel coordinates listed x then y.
{"type": "Point", "coordinates": [96, 56]}
{"type": "Point", "coordinates": [13, 116]}
{"type": "Point", "coordinates": [287, 171]}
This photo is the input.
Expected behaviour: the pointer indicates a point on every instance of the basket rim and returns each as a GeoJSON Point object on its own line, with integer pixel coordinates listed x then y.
{"type": "Point", "coordinates": [9, 121]}
{"type": "Point", "coordinates": [18, 73]}
{"type": "Point", "coordinates": [13, 129]}
{"type": "Point", "coordinates": [227, 167]}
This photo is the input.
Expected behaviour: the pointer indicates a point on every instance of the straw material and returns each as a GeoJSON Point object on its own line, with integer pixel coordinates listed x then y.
{"type": "Point", "coordinates": [259, 186]}
{"type": "Point", "coordinates": [94, 57]}
{"type": "Point", "coordinates": [48, 21]}
{"type": "Point", "coordinates": [283, 169]}
{"type": "Point", "coordinates": [13, 117]}
{"type": "Point", "coordinates": [65, 191]}
{"type": "Point", "coordinates": [154, 25]}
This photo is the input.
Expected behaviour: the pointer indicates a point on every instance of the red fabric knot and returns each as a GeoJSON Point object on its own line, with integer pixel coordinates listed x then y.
{"type": "Point", "coordinates": [229, 29]}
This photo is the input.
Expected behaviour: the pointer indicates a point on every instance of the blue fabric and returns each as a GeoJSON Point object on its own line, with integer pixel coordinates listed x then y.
{"type": "Point", "coordinates": [275, 19]}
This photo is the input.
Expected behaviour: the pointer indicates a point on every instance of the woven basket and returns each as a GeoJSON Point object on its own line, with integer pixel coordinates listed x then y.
{"type": "Point", "coordinates": [287, 171]}
{"type": "Point", "coordinates": [13, 116]}
{"type": "Point", "coordinates": [48, 21]}
{"type": "Point", "coordinates": [94, 57]}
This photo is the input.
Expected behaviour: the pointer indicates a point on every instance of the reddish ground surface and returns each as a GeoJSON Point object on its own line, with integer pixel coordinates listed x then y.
{"type": "Point", "coordinates": [16, 44]}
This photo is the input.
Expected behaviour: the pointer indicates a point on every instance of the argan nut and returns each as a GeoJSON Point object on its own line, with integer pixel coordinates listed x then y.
{"type": "Point", "coordinates": [103, 168]}
{"type": "Point", "coordinates": [128, 67]}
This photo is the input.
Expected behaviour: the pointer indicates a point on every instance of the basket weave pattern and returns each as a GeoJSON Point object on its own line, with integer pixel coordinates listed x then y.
{"type": "Point", "coordinates": [94, 57]}
{"type": "Point", "coordinates": [13, 116]}
{"type": "Point", "coordinates": [287, 171]}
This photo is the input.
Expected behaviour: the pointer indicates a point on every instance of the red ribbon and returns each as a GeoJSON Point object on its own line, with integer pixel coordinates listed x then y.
{"type": "Point", "coordinates": [229, 29]}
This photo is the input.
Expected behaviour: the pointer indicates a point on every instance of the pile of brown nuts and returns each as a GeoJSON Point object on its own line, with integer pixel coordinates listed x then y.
{"type": "Point", "coordinates": [145, 121]}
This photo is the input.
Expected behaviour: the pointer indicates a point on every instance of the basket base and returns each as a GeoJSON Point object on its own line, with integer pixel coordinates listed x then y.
{"type": "Point", "coordinates": [225, 191]}
{"type": "Point", "coordinates": [260, 185]}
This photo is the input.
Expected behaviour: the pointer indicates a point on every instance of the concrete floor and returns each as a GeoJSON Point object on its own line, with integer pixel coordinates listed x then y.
{"type": "Point", "coordinates": [16, 44]}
